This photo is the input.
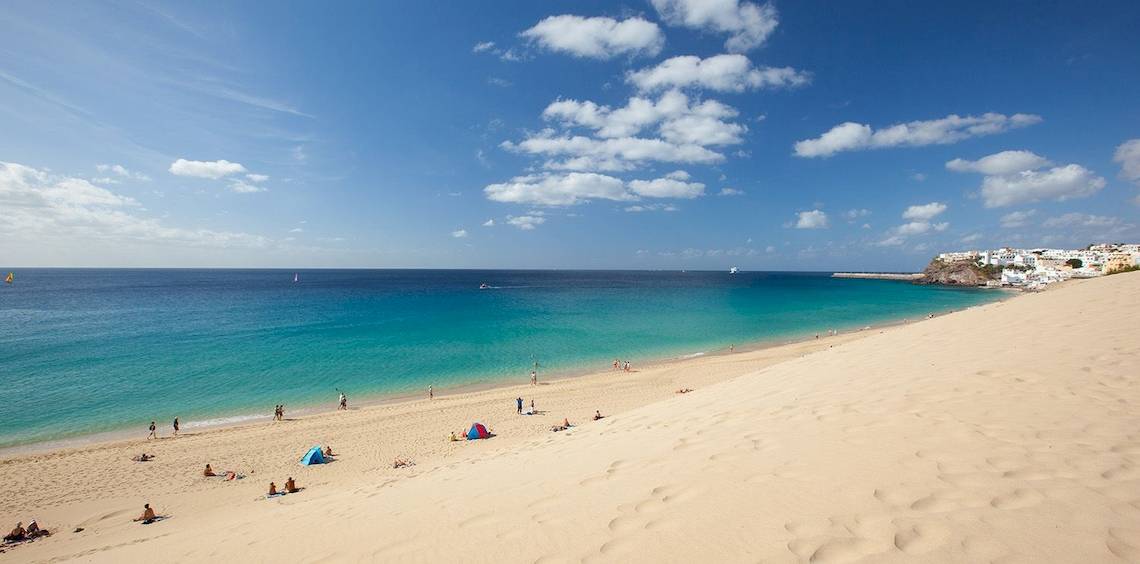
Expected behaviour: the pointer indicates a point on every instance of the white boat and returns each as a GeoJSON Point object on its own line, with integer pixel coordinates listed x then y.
{"type": "Point", "coordinates": [733, 270]}
{"type": "Point", "coordinates": [483, 286]}
{"type": "Point", "coordinates": [295, 277]}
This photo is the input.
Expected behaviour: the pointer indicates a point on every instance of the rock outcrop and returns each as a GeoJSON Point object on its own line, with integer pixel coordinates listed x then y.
{"type": "Point", "coordinates": [959, 273]}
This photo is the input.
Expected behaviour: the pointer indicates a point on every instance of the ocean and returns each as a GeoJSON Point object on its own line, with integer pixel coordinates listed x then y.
{"type": "Point", "coordinates": [85, 351]}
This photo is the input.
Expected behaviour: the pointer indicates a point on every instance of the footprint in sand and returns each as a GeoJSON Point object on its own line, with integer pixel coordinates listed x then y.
{"type": "Point", "coordinates": [921, 538]}
{"type": "Point", "coordinates": [1124, 543]}
{"type": "Point", "coordinates": [1017, 499]}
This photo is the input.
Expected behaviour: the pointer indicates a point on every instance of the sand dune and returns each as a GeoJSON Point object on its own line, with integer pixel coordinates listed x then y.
{"type": "Point", "coordinates": [1005, 433]}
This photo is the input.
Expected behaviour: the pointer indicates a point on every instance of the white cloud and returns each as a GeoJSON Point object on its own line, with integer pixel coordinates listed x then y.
{"type": "Point", "coordinates": [730, 192]}
{"type": "Point", "coordinates": [558, 189]}
{"type": "Point", "coordinates": [651, 207]}
{"type": "Point", "coordinates": [242, 187]}
{"type": "Point", "coordinates": [489, 223]}
{"type": "Point", "coordinates": [722, 73]}
{"type": "Point", "coordinates": [924, 212]}
{"type": "Point", "coordinates": [854, 214]}
{"type": "Point", "coordinates": [851, 136]}
{"type": "Point", "coordinates": [597, 37]}
{"type": "Point", "coordinates": [205, 169]}
{"type": "Point", "coordinates": [667, 188]}
{"type": "Point", "coordinates": [1082, 220]}
{"type": "Point", "coordinates": [747, 24]}
{"type": "Point", "coordinates": [1013, 177]}
{"type": "Point", "coordinates": [525, 222]}
{"type": "Point", "coordinates": [1128, 155]}
{"type": "Point", "coordinates": [1017, 218]}
{"type": "Point", "coordinates": [483, 46]}
{"type": "Point", "coordinates": [1005, 162]}
{"type": "Point", "coordinates": [618, 154]}
{"type": "Point", "coordinates": [256, 177]}
{"type": "Point", "coordinates": [459, 233]}
{"type": "Point", "coordinates": [121, 171]}
{"type": "Point", "coordinates": [1058, 183]}
{"type": "Point", "coordinates": [814, 219]}
{"type": "Point", "coordinates": [701, 124]}
{"type": "Point", "coordinates": [39, 206]}
{"type": "Point", "coordinates": [919, 227]}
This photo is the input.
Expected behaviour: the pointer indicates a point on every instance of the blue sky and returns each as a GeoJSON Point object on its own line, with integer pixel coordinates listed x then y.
{"type": "Point", "coordinates": [656, 134]}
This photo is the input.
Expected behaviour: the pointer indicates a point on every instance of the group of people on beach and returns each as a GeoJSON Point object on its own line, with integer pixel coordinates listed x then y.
{"type": "Point", "coordinates": [289, 487]}
{"type": "Point", "coordinates": [279, 412]}
{"type": "Point", "coordinates": [622, 365]}
{"type": "Point", "coordinates": [21, 533]}
{"type": "Point", "coordinates": [154, 429]}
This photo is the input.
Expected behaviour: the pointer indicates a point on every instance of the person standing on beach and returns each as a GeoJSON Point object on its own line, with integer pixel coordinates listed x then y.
{"type": "Point", "coordinates": [175, 425]}
{"type": "Point", "coordinates": [431, 394]}
{"type": "Point", "coordinates": [518, 403]}
{"type": "Point", "coordinates": [533, 378]}
{"type": "Point", "coordinates": [153, 434]}
{"type": "Point", "coordinates": [343, 401]}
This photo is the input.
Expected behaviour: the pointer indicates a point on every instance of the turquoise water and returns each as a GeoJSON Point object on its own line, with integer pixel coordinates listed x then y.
{"type": "Point", "coordinates": [92, 350]}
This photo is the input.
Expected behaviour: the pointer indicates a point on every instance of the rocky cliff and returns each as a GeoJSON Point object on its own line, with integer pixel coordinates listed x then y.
{"type": "Point", "coordinates": [962, 273]}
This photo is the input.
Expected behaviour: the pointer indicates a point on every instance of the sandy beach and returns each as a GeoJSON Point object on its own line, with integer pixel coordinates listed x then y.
{"type": "Point", "coordinates": [1003, 433]}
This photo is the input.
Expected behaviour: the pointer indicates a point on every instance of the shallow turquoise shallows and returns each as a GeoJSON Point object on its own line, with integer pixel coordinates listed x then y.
{"type": "Point", "coordinates": [91, 350]}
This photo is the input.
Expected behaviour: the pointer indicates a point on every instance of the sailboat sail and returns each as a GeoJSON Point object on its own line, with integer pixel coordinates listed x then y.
{"type": "Point", "coordinates": [10, 278]}
{"type": "Point", "coordinates": [295, 277]}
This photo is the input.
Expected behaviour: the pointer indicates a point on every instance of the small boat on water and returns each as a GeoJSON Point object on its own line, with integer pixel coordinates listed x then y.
{"type": "Point", "coordinates": [296, 277]}
{"type": "Point", "coordinates": [10, 278]}
{"type": "Point", "coordinates": [484, 286]}
{"type": "Point", "coordinates": [733, 270]}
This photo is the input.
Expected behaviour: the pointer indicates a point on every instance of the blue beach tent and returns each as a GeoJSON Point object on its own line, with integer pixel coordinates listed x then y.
{"type": "Point", "coordinates": [314, 456]}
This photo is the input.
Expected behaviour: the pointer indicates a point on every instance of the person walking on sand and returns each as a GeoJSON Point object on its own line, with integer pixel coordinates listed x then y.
{"type": "Point", "coordinates": [518, 404]}
{"type": "Point", "coordinates": [343, 401]}
{"type": "Point", "coordinates": [175, 425]}
{"type": "Point", "coordinates": [153, 433]}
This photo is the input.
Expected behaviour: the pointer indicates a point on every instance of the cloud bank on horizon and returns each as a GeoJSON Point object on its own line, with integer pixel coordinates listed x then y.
{"type": "Point", "coordinates": [676, 133]}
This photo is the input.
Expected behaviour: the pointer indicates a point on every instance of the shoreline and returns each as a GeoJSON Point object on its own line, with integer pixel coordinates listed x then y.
{"type": "Point", "coordinates": [379, 399]}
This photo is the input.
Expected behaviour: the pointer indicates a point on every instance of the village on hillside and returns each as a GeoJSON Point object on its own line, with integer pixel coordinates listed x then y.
{"type": "Point", "coordinates": [1033, 269]}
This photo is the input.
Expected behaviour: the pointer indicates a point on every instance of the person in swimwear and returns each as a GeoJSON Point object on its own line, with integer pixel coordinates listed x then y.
{"type": "Point", "coordinates": [148, 515]}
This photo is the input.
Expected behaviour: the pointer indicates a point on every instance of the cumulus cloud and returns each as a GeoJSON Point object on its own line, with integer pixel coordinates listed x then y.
{"type": "Point", "coordinates": [651, 207]}
{"type": "Point", "coordinates": [205, 169]}
{"type": "Point", "coordinates": [814, 219]}
{"type": "Point", "coordinates": [1128, 155]}
{"type": "Point", "coordinates": [256, 177]}
{"type": "Point", "coordinates": [1017, 219]}
{"type": "Point", "coordinates": [1015, 177]}
{"type": "Point", "coordinates": [39, 205]}
{"type": "Point", "coordinates": [1058, 183]}
{"type": "Point", "coordinates": [483, 46]}
{"type": "Point", "coordinates": [616, 154]}
{"type": "Point", "coordinates": [122, 171]}
{"type": "Point", "coordinates": [924, 212]}
{"type": "Point", "coordinates": [748, 25]}
{"type": "Point", "coordinates": [851, 136]}
{"type": "Point", "coordinates": [558, 189]}
{"type": "Point", "coordinates": [1005, 162]}
{"type": "Point", "coordinates": [526, 222]}
{"type": "Point", "coordinates": [668, 187]}
{"type": "Point", "coordinates": [489, 223]}
{"type": "Point", "coordinates": [597, 37]}
{"type": "Point", "coordinates": [702, 124]}
{"type": "Point", "coordinates": [242, 187]}
{"type": "Point", "coordinates": [459, 233]}
{"type": "Point", "coordinates": [581, 187]}
{"type": "Point", "coordinates": [722, 73]}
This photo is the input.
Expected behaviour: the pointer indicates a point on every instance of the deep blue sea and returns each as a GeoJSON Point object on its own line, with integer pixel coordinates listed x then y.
{"type": "Point", "coordinates": [92, 350]}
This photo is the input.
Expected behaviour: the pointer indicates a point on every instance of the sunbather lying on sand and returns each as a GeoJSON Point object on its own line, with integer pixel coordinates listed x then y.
{"type": "Point", "coordinates": [402, 463]}
{"type": "Point", "coordinates": [144, 457]}
{"type": "Point", "coordinates": [684, 390]}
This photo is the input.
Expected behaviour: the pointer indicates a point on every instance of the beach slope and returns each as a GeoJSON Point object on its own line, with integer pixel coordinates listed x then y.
{"type": "Point", "coordinates": [1008, 432]}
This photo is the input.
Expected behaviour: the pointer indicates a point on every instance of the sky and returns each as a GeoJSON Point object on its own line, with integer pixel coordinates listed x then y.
{"type": "Point", "coordinates": [655, 134]}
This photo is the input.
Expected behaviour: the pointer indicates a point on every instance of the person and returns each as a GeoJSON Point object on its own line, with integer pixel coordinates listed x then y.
{"type": "Point", "coordinates": [34, 530]}
{"type": "Point", "coordinates": [290, 486]}
{"type": "Point", "coordinates": [328, 451]}
{"type": "Point", "coordinates": [17, 534]}
{"type": "Point", "coordinates": [175, 426]}
{"type": "Point", "coordinates": [431, 394]}
{"type": "Point", "coordinates": [401, 462]}
{"type": "Point", "coordinates": [153, 434]}
{"type": "Point", "coordinates": [343, 401]}
{"type": "Point", "coordinates": [144, 457]}
{"type": "Point", "coordinates": [453, 437]}
{"type": "Point", "coordinates": [208, 472]}
{"type": "Point", "coordinates": [148, 515]}
{"type": "Point", "coordinates": [533, 378]}
{"type": "Point", "coordinates": [597, 414]}
{"type": "Point", "coordinates": [615, 364]}
{"type": "Point", "coordinates": [532, 411]}
{"type": "Point", "coordinates": [566, 422]}
{"type": "Point", "coordinates": [684, 390]}
{"type": "Point", "coordinates": [272, 488]}
{"type": "Point", "coordinates": [277, 412]}
{"type": "Point", "coordinates": [518, 403]}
